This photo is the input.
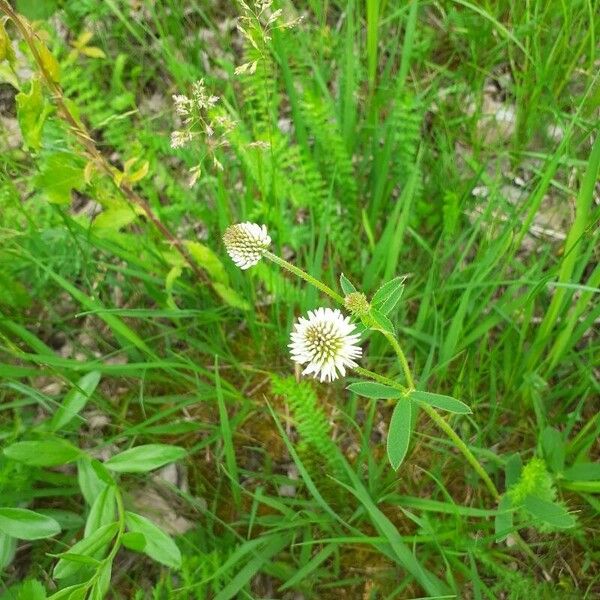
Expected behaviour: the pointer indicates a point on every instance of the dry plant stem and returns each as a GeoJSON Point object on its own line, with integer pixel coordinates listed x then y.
{"type": "Point", "coordinates": [88, 143]}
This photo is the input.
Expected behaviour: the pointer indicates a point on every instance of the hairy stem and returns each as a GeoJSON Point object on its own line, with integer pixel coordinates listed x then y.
{"type": "Point", "coordinates": [284, 264]}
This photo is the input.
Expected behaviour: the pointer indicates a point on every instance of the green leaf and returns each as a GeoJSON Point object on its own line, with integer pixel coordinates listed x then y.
{"type": "Point", "coordinates": [73, 592]}
{"type": "Point", "coordinates": [102, 585]}
{"type": "Point", "coordinates": [26, 524]}
{"type": "Point", "coordinates": [370, 389]}
{"type": "Point", "coordinates": [102, 511]}
{"type": "Point", "coordinates": [442, 402]}
{"type": "Point", "coordinates": [32, 110]}
{"type": "Point", "coordinates": [549, 512]}
{"type": "Point", "coordinates": [159, 545]}
{"type": "Point", "coordinates": [399, 432]}
{"type": "Point", "coordinates": [346, 285]}
{"type": "Point", "coordinates": [512, 469]}
{"type": "Point", "coordinates": [113, 219]}
{"type": "Point", "coordinates": [144, 458]}
{"type": "Point", "coordinates": [209, 261]}
{"type": "Point", "coordinates": [35, 10]}
{"type": "Point", "coordinates": [61, 172]}
{"type": "Point", "coordinates": [231, 297]}
{"type": "Point", "coordinates": [90, 483]}
{"type": "Point", "coordinates": [553, 449]}
{"type": "Point", "coordinates": [48, 60]}
{"type": "Point", "coordinates": [6, 49]}
{"type": "Point", "coordinates": [380, 321]}
{"type": "Point", "coordinates": [71, 563]}
{"type": "Point", "coordinates": [75, 400]}
{"type": "Point", "coordinates": [388, 295]}
{"type": "Point", "coordinates": [583, 472]}
{"type": "Point", "coordinates": [134, 541]}
{"type": "Point", "coordinates": [67, 519]}
{"type": "Point", "coordinates": [503, 521]}
{"type": "Point", "coordinates": [31, 589]}
{"type": "Point", "coordinates": [8, 547]}
{"type": "Point", "coordinates": [46, 453]}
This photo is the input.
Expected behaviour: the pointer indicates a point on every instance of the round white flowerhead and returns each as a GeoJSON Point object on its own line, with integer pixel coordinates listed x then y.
{"type": "Point", "coordinates": [325, 341]}
{"type": "Point", "coordinates": [246, 243]}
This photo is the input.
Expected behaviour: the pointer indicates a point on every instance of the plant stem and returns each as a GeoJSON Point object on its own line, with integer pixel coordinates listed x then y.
{"type": "Point", "coordinates": [401, 358]}
{"type": "Point", "coordinates": [284, 264]}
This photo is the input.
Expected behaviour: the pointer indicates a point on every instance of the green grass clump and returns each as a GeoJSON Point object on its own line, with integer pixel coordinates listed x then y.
{"type": "Point", "coordinates": [450, 143]}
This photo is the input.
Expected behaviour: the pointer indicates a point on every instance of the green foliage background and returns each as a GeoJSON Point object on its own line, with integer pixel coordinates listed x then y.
{"type": "Point", "coordinates": [452, 142]}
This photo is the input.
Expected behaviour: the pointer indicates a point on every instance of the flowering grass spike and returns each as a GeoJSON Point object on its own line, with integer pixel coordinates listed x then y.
{"type": "Point", "coordinates": [325, 341]}
{"type": "Point", "coordinates": [246, 243]}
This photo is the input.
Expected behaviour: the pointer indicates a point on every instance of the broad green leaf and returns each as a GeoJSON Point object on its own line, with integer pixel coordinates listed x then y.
{"type": "Point", "coordinates": [8, 547]}
{"type": "Point", "coordinates": [134, 541]}
{"type": "Point", "coordinates": [231, 297]}
{"type": "Point", "coordinates": [553, 449]}
{"type": "Point", "coordinates": [549, 513]}
{"type": "Point", "coordinates": [68, 566]}
{"type": "Point", "coordinates": [102, 511]}
{"type": "Point", "coordinates": [90, 483]}
{"type": "Point", "coordinates": [46, 453]}
{"type": "Point", "coordinates": [61, 172]}
{"type": "Point", "coordinates": [144, 458]}
{"type": "Point", "coordinates": [503, 521]}
{"type": "Point", "coordinates": [113, 219]}
{"type": "Point", "coordinates": [370, 389]}
{"type": "Point", "coordinates": [346, 285]}
{"type": "Point", "coordinates": [32, 110]}
{"type": "Point", "coordinates": [209, 261]}
{"type": "Point", "coordinates": [159, 545]}
{"type": "Point", "coordinates": [399, 432]}
{"type": "Point", "coordinates": [442, 402]}
{"type": "Point", "coordinates": [67, 519]}
{"type": "Point", "coordinates": [388, 295]}
{"type": "Point", "coordinates": [30, 589]}
{"type": "Point", "coordinates": [75, 400]}
{"type": "Point", "coordinates": [25, 524]}
{"type": "Point", "coordinates": [72, 592]}
{"type": "Point", "coordinates": [102, 585]}
{"type": "Point", "coordinates": [513, 468]}
{"type": "Point", "coordinates": [583, 472]}
{"type": "Point", "coordinates": [380, 321]}
{"type": "Point", "coordinates": [35, 10]}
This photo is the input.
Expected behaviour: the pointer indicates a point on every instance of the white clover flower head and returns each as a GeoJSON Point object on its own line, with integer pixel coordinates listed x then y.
{"type": "Point", "coordinates": [325, 343]}
{"type": "Point", "coordinates": [246, 243]}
